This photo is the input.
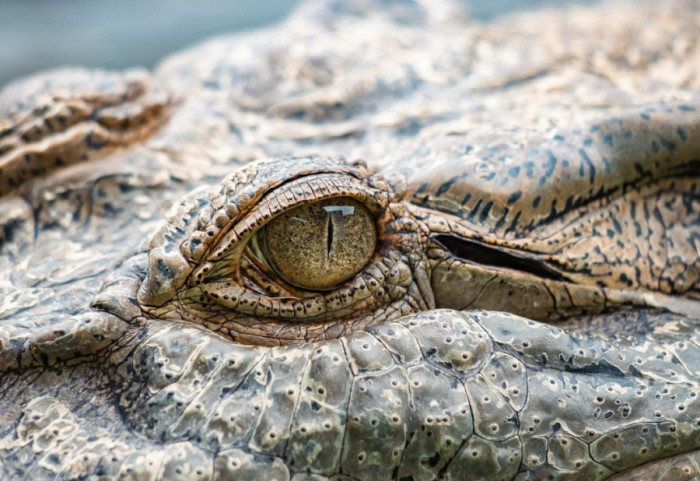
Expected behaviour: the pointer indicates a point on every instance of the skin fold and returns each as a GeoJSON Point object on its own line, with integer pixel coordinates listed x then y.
{"type": "Point", "coordinates": [530, 310]}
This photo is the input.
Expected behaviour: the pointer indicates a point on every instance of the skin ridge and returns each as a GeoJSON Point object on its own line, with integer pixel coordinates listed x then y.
{"type": "Point", "coordinates": [78, 129]}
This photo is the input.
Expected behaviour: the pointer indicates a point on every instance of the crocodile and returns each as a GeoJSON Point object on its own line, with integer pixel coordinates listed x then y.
{"type": "Point", "coordinates": [377, 241]}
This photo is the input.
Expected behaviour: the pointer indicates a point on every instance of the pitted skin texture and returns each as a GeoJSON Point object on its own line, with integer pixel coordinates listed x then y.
{"type": "Point", "coordinates": [530, 313]}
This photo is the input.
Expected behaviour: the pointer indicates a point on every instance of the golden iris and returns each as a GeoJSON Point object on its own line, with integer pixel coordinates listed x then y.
{"type": "Point", "coordinates": [318, 245]}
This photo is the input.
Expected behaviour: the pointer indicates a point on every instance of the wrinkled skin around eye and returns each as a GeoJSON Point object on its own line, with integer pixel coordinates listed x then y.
{"type": "Point", "coordinates": [226, 268]}
{"type": "Point", "coordinates": [319, 245]}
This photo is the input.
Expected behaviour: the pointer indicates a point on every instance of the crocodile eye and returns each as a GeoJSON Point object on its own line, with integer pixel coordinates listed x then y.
{"type": "Point", "coordinates": [318, 245]}
{"type": "Point", "coordinates": [286, 252]}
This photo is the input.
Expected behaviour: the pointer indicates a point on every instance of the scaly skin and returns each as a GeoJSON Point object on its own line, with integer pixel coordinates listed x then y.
{"type": "Point", "coordinates": [551, 173]}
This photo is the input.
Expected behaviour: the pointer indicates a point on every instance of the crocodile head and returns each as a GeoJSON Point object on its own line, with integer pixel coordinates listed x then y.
{"type": "Point", "coordinates": [505, 287]}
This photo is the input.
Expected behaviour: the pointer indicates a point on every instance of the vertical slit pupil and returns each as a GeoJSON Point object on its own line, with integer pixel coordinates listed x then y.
{"type": "Point", "coordinates": [329, 239]}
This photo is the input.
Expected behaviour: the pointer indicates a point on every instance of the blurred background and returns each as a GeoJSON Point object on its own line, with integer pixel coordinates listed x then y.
{"type": "Point", "coordinates": [40, 34]}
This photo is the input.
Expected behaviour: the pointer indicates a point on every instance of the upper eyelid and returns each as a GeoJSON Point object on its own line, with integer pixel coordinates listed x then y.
{"type": "Point", "coordinates": [237, 198]}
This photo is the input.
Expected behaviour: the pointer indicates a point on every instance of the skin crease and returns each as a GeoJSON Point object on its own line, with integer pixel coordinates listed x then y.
{"type": "Point", "coordinates": [530, 310]}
